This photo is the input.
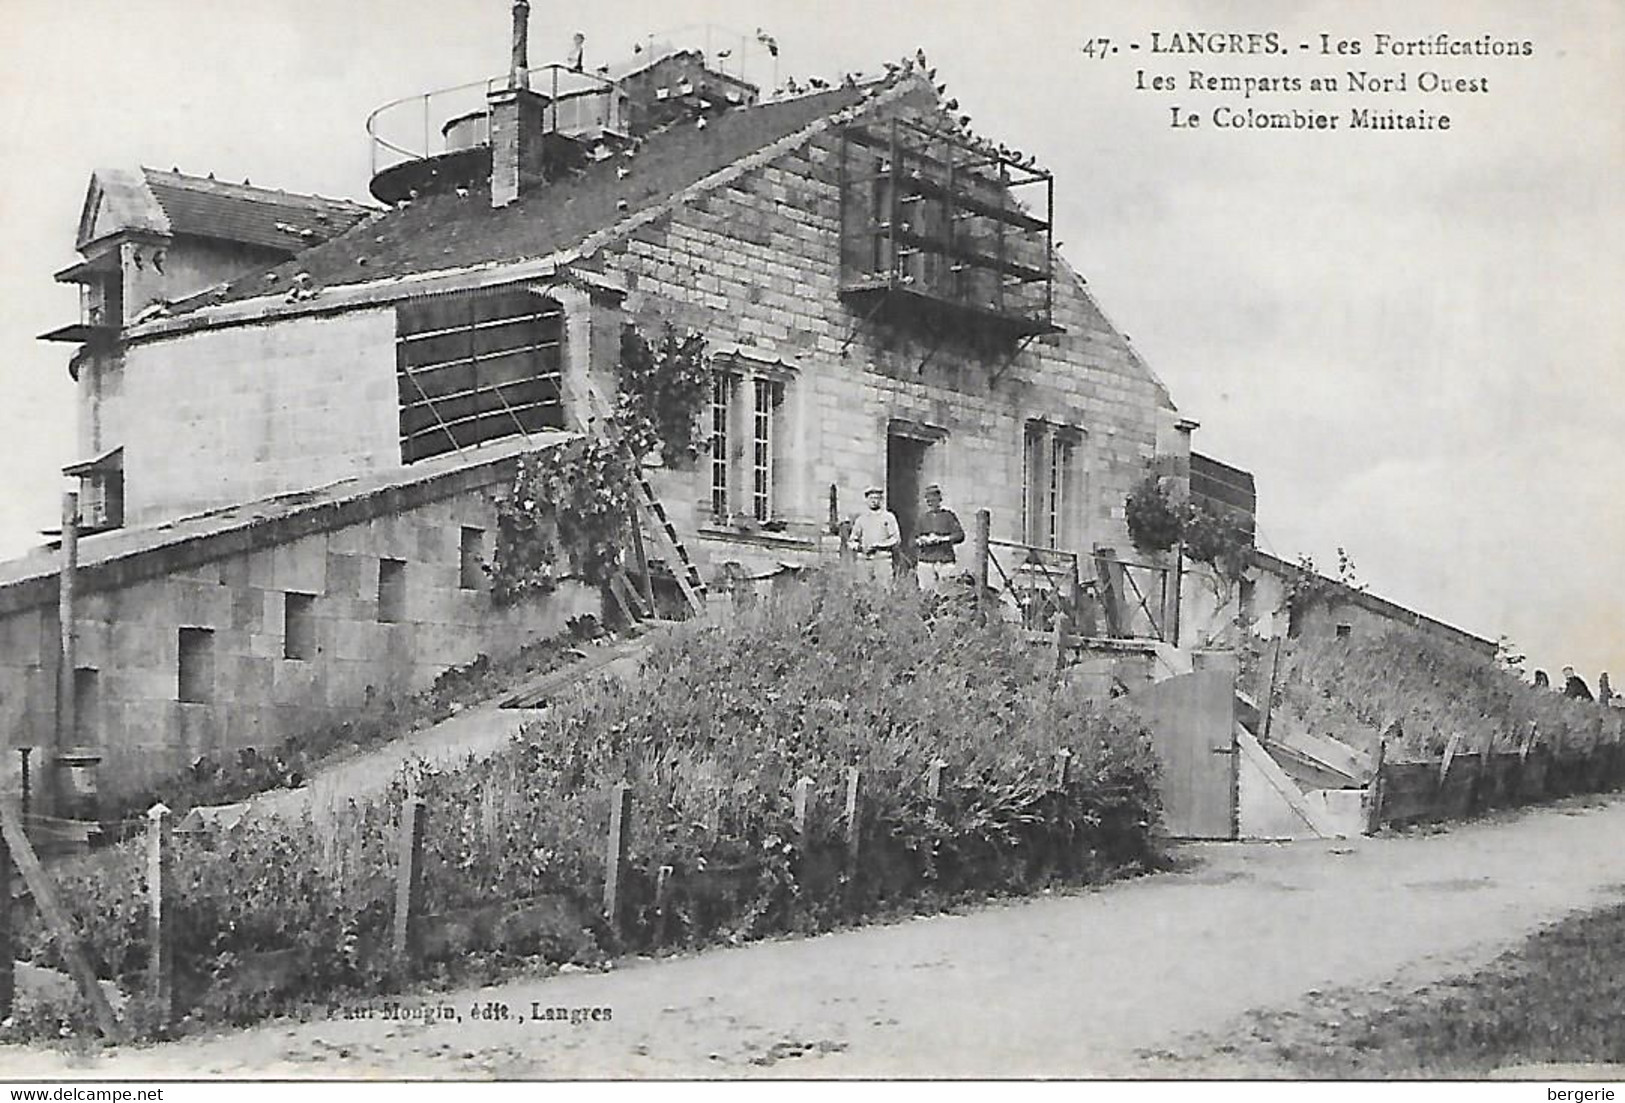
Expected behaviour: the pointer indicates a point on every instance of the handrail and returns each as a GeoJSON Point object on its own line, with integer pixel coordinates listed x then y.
{"type": "Point", "coordinates": [1144, 606]}
{"type": "Point", "coordinates": [1056, 587]}
{"type": "Point", "coordinates": [383, 115]}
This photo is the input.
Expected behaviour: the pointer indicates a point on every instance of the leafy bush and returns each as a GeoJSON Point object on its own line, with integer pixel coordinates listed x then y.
{"type": "Point", "coordinates": [1218, 540]}
{"type": "Point", "coordinates": [1154, 520]}
{"type": "Point", "coordinates": [711, 740]}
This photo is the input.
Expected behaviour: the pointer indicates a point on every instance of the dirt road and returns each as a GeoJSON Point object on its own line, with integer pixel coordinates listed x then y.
{"type": "Point", "coordinates": [1060, 986]}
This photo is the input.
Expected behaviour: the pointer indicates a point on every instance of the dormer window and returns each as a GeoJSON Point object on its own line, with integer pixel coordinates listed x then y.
{"type": "Point", "coordinates": [101, 303]}
{"type": "Point", "coordinates": [101, 300]}
{"type": "Point", "coordinates": [101, 491]}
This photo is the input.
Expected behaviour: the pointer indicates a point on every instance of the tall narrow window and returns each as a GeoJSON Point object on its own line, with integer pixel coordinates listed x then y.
{"type": "Point", "coordinates": [722, 385]}
{"type": "Point", "coordinates": [766, 400]}
{"type": "Point", "coordinates": [469, 558]}
{"type": "Point", "coordinates": [1050, 484]}
{"type": "Point", "coordinates": [391, 589]}
{"type": "Point", "coordinates": [1060, 490]}
{"type": "Point", "coordinates": [1034, 459]}
{"type": "Point", "coordinates": [298, 626]}
{"type": "Point", "coordinates": [195, 665]}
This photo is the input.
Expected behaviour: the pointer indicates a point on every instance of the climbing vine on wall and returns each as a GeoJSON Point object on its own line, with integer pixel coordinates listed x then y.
{"type": "Point", "coordinates": [1217, 539]}
{"type": "Point", "coordinates": [1308, 588]}
{"type": "Point", "coordinates": [664, 387]}
{"type": "Point", "coordinates": [578, 499]}
{"type": "Point", "coordinates": [575, 498]}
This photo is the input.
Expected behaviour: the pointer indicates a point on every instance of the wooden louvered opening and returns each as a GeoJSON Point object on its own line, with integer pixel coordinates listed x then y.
{"type": "Point", "coordinates": [475, 367]}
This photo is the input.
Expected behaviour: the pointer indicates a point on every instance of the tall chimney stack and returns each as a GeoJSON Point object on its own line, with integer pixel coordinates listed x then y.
{"type": "Point", "coordinates": [516, 120]}
{"type": "Point", "coordinates": [519, 72]}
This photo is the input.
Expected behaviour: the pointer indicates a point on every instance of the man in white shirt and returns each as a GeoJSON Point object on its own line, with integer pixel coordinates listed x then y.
{"type": "Point", "coordinates": [875, 537]}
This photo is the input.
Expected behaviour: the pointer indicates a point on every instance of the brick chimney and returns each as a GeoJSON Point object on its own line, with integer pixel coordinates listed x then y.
{"type": "Point", "coordinates": [516, 121]}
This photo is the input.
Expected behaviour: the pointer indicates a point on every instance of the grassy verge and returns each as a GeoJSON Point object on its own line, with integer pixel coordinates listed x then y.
{"type": "Point", "coordinates": [1557, 999]}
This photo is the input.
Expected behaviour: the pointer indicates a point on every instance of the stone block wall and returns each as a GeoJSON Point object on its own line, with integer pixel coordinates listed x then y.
{"type": "Point", "coordinates": [756, 263]}
{"type": "Point", "coordinates": [128, 634]}
{"type": "Point", "coordinates": [1357, 614]}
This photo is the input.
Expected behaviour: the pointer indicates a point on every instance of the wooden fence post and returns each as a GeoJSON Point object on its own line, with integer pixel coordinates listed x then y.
{"type": "Point", "coordinates": [1106, 586]}
{"type": "Point", "coordinates": [852, 782]}
{"type": "Point", "coordinates": [620, 816]}
{"type": "Point", "coordinates": [1449, 754]}
{"type": "Point", "coordinates": [979, 554]}
{"type": "Point", "coordinates": [1269, 694]}
{"type": "Point", "coordinates": [56, 917]}
{"type": "Point", "coordinates": [933, 782]}
{"type": "Point", "coordinates": [27, 779]}
{"type": "Point", "coordinates": [409, 884]}
{"type": "Point", "coordinates": [1058, 643]}
{"type": "Point", "coordinates": [1373, 822]}
{"type": "Point", "coordinates": [1063, 768]}
{"type": "Point", "coordinates": [1483, 783]}
{"type": "Point", "coordinates": [160, 929]}
{"type": "Point", "coordinates": [662, 897]}
{"type": "Point", "coordinates": [8, 926]}
{"type": "Point", "coordinates": [645, 580]}
{"type": "Point", "coordinates": [67, 576]}
{"type": "Point", "coordinates": [801, 810]}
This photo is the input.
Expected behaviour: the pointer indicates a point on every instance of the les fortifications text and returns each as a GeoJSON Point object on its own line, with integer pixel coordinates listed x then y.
{"type": "Point", "coordinates": [1264, 80]}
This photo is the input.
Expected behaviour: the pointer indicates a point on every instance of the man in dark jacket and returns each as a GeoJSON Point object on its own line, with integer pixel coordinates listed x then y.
{"type": "Point", "coordinates": [936, 535]}
{"type": "Point", "coordinates": [1575, 686]}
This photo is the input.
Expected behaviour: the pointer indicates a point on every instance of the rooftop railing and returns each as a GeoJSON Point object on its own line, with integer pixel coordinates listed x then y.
{"type": "Point", "coordinates": [415, 127]}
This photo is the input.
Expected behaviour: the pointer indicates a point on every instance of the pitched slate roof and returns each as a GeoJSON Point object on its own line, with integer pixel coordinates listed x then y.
{"type": "Point", "coordinates": [453, 230]}
{"type": "Point", "coordinates": [287, 221]}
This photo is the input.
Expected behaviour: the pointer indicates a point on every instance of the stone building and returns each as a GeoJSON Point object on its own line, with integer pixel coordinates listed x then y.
{"type": "Point", "coordinates": [240, 626]}
{"type": "Point", "coordinates": [877, 289]}
{"type": "Point", "coordinates": [147, 238]}
{"type": "Point", "coordinates": [1214, 611]}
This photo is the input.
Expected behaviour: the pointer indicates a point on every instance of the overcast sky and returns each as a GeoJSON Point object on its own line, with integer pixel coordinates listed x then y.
{"type": "Point", "coordinates": [1414, 340]}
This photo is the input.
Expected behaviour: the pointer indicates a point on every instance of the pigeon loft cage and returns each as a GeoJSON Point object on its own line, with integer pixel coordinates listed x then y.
{"type": "Point", "coordinates": [945, 230]}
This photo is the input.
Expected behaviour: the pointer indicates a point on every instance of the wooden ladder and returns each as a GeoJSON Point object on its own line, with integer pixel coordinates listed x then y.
{"type": "Point", "coordinates": [667, 543]}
